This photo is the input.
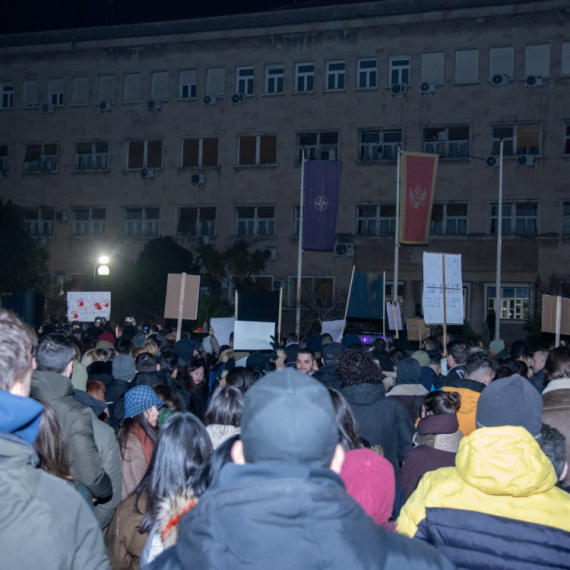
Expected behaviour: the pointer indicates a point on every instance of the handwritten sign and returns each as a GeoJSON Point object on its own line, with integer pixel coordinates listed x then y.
{"type": "Point", "coordinates": [85, 307]}
{"type": "Point", "coordinates": [394, 316]}
{"type": "Point", "coordinates": [433, 289]}
{"type": "Point", "coordinates": [334, 328]}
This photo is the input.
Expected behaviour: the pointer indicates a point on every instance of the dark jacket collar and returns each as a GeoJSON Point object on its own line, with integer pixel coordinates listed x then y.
{"type": "Point", "coordinates": [50, 385]}
{"type": "Point", "coordinates": [445, 423]}
{"type": "Point", "coordinates": [457, 382]}
{"type": "Point", "coordinates": [364, 393]}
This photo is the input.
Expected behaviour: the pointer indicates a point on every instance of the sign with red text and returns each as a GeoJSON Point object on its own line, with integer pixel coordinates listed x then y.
{"type": "Point", "coordinates": [86, 306]}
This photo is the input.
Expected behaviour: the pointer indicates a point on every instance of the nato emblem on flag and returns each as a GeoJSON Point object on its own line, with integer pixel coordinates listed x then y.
{"type": "Point", "coordinates": [320, 207]}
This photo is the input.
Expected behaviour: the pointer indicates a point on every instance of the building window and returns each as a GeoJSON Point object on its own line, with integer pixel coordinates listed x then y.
{"type": "Point", "coordinates": [537, 61]}
{"type": "Point", "coordinates": [448, 142]}
{"type": "Point", "coordinates": [39, 221]}
{"type": "Point", "coordinates": [379, 145]}
{"type": "Point", "coordinates": [216, 82]}
{"type": "Point", "coordinates": [255, 220]}
{"type": "Point", "coordinates": [367, 72]}
{"type": "Point", "coordinates": [565, 62]}
{"type": "Point", "coordinates": [256, 150]}
{"type": "Point", "coordinates": [89, 221]}
{"type": "Point", "coordinates": [92, 156]}
{"type": "Point", "coordinates": [159, 86]}
{"type": "Point", "coordinates": [274, 75]}
{"type": "Point", "coordinates": [432, 67]}
{"type": "Point", "coordinates": [145, 154]}
{"type": "Point", "coordinates": [567, 139]}
{"type": "Point", "coordinates": [304, 76]}
{"type": "Point", "coordinates": [319, 146]}
{"type": "Point", "coordinates": [106, 88]}
{"type": "Point", "coordinates": [296, 219]}
{"type": "Point", "coordinates": [335, 75]}
{"type": "Point", "coordinates": [519, 218]}
{"type": "Point", "coordinates": [501, 62]}
{"type": "Point", "coordinates": [196, 221]}
{"type": "Point", "coordinates": [6, 95]}
{"type": "Point", "coordinates": [244, 80]}
{"type": "Point", "coordinates": [399, 69]}
{"type": "Point", "coordinates": [31, 93]}
{"type": "Point", "coordinates": [142, 221]}
{"type": "Point", "coordinates": [467, 66]}
{"type": "Point", "coordinates": [133, 88]}
{"type": "Point", "coordinates": [448, 220]}
{"type": "Point", "coordinates": [525, 139]}
{"type": "Point", "coordinates": [313, 289]}
{"type": "Point", "coordinates": [3, 158]}
{"type": "Point", "coordinates": [40, 158]}
{"type": "Point", "coordinates": [199, 152]}
{"type": "Point", "coordinates": [375, 219]}
{"type": "Point", "coordinates": [80, 94]}
{"type": "Point", "coordinates": [515, 302]}
{"type": "Point", "coordinates": [566, 218]}
{"type": "Point", "coordinates": [55, 91]}
{"type": "Point", "coordinates": [187, 84]}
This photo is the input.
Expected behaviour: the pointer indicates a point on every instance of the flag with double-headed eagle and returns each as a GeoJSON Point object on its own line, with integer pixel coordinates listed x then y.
{"type": "Point", "coordinates": [320, 206]}
{"type": "Point", "coordinates": [417, 186]}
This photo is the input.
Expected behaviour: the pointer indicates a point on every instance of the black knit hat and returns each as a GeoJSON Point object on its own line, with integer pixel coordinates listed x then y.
{"type": "Point", "coordinates": [289, 417]}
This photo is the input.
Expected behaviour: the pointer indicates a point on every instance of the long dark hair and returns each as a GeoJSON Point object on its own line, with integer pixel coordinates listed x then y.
{"type": "Point", "coordinates": [189, 383]}
{"type": "Point", "coordinates": [124, 426]}
{"type": "Point", "coordinates": [226, 407]}
{"type": "Point", "coordinates": [347, 429]}
{"type": "Point", "coordinates": [182, 446]}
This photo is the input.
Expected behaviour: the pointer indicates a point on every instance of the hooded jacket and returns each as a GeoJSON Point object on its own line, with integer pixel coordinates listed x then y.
{"type": "Point", "coordinates": [470, 391]}
{"type": "Point", "coordinates": [409, 390]}
{"type": "Point", "coordinates": [497, 508]}
{"type": "Point", "coordinates": [77, 429]}
{"type": "Point", "coordinates": [44, 522]}
{"type": "Point", "coordinates": [282, 516]}
{"type": "Point", "coordinates": [328, 376]}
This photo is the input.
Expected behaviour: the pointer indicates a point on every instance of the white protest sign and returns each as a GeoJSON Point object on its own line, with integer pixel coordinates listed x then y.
{"type": "Point", "coordinates": [253, 335]}
{"type": "Point", "coordinates": [334, 328]}
{"type": "Point", "coordinates": [433, 289]}
{"type": "Point", "coordinates": [86, 306]}
{"type": "Point", "coordinates": [394, 320]}
{"type": "Point", "coordinates": [222, 329]}
{"type": "Point", "coordinates": [242, 362]}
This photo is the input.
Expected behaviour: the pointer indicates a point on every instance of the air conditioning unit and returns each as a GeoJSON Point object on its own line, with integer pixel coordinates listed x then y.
{"type": "Point", "coordinates": [399, 89]}
{"type": "Point", "coordinates": [154, 105]}
{"type": "Point", "coordinates": [198, 179]}
{"type": "Point", "coordinates": [525, 160]}
{"type": "Point", "coordinates": [238, 98]}
{"type": "Point", "coordinates": [327, 152]}
{"type": "Point", "coordinates": [427, 87]}
{"type": "Point", "coordinates": [210, 100]}
{"type": "Point", "coordinates": [344, 249]}
{"type": "Point", "coordinates": [62, 216]}
{"type": "Point", "coordinates": [48, 107]}
{"type": "Point", "coordinates": [501, 79]}
{"type": "Point", "coordinates": [270, 253]}
{"type": "Point", "coordinates": [534, 81]}
{"type": "Point", "coordinates": [147, 173]}
{"type": "Point", "coordinates": [492, 161]}
{"type": "Point", "coordinates": [105, 106]}
{"type": "Point", "coordinates": [202, 240]}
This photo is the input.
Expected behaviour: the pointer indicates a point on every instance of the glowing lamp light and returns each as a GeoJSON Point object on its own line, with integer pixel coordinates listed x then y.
{"type": "Point", "coordinates": [366, 339]}
{"type": "Point", "coordinates": [103, 260]}
{"type": "Point", "coordinates": [103, 270]}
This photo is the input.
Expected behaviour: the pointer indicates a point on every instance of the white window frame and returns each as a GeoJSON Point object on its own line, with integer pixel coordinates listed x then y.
{"type": "Point", "coordinates": [92, 227]}
{"type": "Point", "coordinates": [437, 60]}
{"type": "Point", "coordinates": [157, 83]}
{"type": "Point", "coordinates": [6, 95]}
{"type": "Point", "coordinates": [442, 146]}
{"type": "Point", "coordinates": [145, 156]}
{"type": "Point", "coordinates": [245, 76]}
{"type": "Point", "coordinates": [381, 222]}
{"type": "Point", "coordinates": [137, 97]}
{"type": "Point", "coordinates": [46, 162]}
{"type": "Point", "coordinates": [107, 83]}
{"type": "Point", "coordinates": [382, 143]}
{"type": "Point", "coordinates": [399, 71]}
{"type": "Point", "coordinates": [528, 67]}
{"type": "Point", "coordinates": [513, 217]}
{"type": "Point", "coordinates": [507, 307]}
{"type": "Point", "coordinates": [306, 77]}
{"type": "Point", "coordinates": [56, 88]}
{"type": "Point", "coordinates": [493, 55]}
{"type": "Point", "coordinates": [292, 289]}
{"type": "Point", "coordinates": [495, 141]}
{"type": "Point", "coordinates": [187, 83]}
{"type": "Point", "coordinates": [200, 152]}
{"type": "Point", "coordinates": [319, 151]}
{"type": "Point", "coordinates": [76, 89]}
{"type": "Point", "coordinates": [40, 226]}
{"type": "Point", "coordinates": [274, 78]}
{"type": "Point", "coordinates": [210, 225]}
{"type": "Point", "coordinates": [255, 221]}
{"type": "Point", "coordinates": [336, 78]}
{"type": "Point", "coordinates": [448, 218]}
{"type": "Point", "coordinates": [31, 88]}
{"type": "Point", "coordinates": [365, 74]}
{"type": "Point", "coordinates": [257, 150]}
{"type": "Point", "coordinates": [144, 226]}
{"type": "Point", "coordinates": [460, 65]}
{"type": "Point", "coordinates": [98, 160]}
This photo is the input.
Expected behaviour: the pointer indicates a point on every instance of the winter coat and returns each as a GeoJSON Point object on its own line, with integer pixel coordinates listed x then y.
{"type": "Point", "coordinates": [538, 380]}
{"type": "Point", "coordinates": [79, 376]}
{"type": "Point", "coordinates": [148, 379]}
{"type": "Point", "coordinates": [469, 390]}
{"type": "Point", "coordinates": [77, 429]}
{"type": "Point", "coordinates": [328, 376]}
{"type": "Point", "coordinates": [183, 394]}
{"type": "Point", "coordinates": [219, 433]}
{"type": "Point", "coordinates": [556, 411]}
{"type": "Point", "coordinates": [455, 374]}
{"type": "Point", "coordinates": [124, 542]}
{"type": "Point", "coordinates": [115, 396]}
{"type": "Point", "coordinates": [133, 464]}
{"type": "Point", "coordinates": [411, 396]}
{"type": "Point", "coordinates": [437, 441]}
{"type": "Point", "coordinates": [101, 371]}
{"type": "Point", "coordinates": [384, 359]}
{"type": "Point", "coordinates": [109, 452]}
{"type": "Point", "coordinates": [279, 516]}
{"type": "Point", "coordinates": [498, 508]}
{"type": "Point", "coordinates": [381, 421]}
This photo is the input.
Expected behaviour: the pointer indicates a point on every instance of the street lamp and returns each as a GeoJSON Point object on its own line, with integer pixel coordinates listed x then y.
{"type": "Point", "coordinates": [101, 268]}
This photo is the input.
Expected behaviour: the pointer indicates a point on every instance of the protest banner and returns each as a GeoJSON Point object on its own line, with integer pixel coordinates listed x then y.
{"type": "Point", "coordinates": [182, 292]}
{"type": "Point", "coordinates": [252, 335]}
{"type": "Point", "coordinates": [86, 306]}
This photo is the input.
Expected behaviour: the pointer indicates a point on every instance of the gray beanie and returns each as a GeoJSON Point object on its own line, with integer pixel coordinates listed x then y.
{"type": "Point", "coordinates": [289, 417]}
{"type": "Point", "coordinates": [124, 367]}
{"type": "Point", "coordinates": [511, 401]}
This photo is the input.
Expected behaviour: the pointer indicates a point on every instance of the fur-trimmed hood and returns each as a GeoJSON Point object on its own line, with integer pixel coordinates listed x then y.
{"type": "Point", "coordinates": [170, 511]}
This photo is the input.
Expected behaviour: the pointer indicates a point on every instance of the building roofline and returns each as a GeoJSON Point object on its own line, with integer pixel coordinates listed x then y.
{"type": "Point", "coordinates": [278, 18]}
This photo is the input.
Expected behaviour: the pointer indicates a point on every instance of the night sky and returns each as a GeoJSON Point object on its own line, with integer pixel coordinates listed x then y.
{"type": "Point", "coordinates": [42, 15]}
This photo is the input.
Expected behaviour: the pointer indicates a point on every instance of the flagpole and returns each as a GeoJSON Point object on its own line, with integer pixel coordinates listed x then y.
{"type": "Point", "coordinates": [349, 293]}
{"type": "Point", "coordinates": [384, 306]}
{"type": "Point", "coordinates": [397, 238]}
{"type": "Point", "coordinates": [499, 246]}
{"type": "Point", "coordinates": [300, 254]}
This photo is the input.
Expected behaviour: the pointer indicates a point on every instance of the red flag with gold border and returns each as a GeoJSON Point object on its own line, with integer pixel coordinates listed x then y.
{"type": "Point", "coordinates": [417, 186]}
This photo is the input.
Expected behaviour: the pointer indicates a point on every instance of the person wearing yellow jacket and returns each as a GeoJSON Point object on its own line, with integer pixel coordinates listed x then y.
{"type": "Point", "coordinates": [498, 508]}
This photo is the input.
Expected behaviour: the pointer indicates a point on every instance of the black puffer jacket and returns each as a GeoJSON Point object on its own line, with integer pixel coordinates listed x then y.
{"type": "Point", "coordinates": [278, 516]}
{"type": "Point", "coordinates": [77, 429]}
{"type": "Point", "coordinates": [328, 375]}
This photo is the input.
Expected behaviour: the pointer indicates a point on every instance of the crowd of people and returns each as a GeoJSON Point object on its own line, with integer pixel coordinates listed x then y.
{"type": "Point", "coordinates": [128, 449]}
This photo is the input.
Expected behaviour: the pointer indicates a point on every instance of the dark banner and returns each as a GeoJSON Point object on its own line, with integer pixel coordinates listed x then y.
{"type": "Point", "coordinates": [259, 305]}
{"type": "Point", "coordinates": [366, 296]}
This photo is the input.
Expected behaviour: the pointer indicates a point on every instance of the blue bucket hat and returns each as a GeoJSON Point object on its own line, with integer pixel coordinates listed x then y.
{"type": "Point", "coordinates": [139, 399]}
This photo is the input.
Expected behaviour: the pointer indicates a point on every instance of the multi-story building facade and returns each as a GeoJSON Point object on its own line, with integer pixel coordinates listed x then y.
{"type": "Point", "coordinates": [110, 136]}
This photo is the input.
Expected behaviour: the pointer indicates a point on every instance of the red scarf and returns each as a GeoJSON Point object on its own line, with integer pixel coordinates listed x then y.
{"type": "Point", "coordinates": [146, 442]}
